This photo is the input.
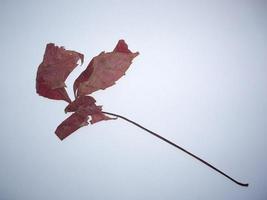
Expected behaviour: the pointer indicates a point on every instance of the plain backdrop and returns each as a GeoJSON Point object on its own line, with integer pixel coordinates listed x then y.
{"type": "Point", "coordinates": [200, 81]}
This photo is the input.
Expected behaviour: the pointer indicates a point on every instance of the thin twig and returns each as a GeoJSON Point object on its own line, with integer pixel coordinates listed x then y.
{"type": "Point", "coordinates": [178, 147]}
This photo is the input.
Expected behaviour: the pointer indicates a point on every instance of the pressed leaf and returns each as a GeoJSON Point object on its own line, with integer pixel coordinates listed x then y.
{"type": "Point", "coordinates": [56, 66]}
{"type": "Point", "coordinates": [83, 107]}
{"type": "Point", "coordinates": [104, 70]}
{"type": "Point", "coordinates": [82, 102]}
{"type": "Point", "coordinates": [71, 124]}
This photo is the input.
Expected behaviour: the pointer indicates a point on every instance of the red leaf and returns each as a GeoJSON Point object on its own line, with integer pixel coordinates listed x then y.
{"type": "Point", "coordinates": [81, 103]}
{"type": "Point", "coordinates": [71, 124]}
{"type": "Point", "coordinates": [104, 70]}
{"type": "Point", "coordinates": [82, 107]}
{"type": "Point", "coordinates": [57, 64]}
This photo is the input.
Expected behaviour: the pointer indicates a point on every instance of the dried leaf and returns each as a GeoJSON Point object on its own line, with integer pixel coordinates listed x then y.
{"type": "Point", "coordinates": [81, 103]}
{"type": "Point", "coordinates": [71, 124]}
{"type": "Point", "coordinates": [57, 64]}
{"type": "Point", "coordinates": [104, 70]}
{"type": "Point", "coordinates": [82, 107]}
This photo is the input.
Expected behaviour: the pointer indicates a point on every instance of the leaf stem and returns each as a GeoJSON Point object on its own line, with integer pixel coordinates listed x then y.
{"type": "Point", "coordinates": [178, 147]}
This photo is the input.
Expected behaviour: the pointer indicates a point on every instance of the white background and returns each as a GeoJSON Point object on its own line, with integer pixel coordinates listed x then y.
{"type": "Point", "coordinates": [200, 80]}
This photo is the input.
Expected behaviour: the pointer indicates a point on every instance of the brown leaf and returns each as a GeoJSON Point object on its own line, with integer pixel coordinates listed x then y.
{"type": "Point", "coordinates": [56, 66]}
{"type": "Point", "coordinates": [104, 70]}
